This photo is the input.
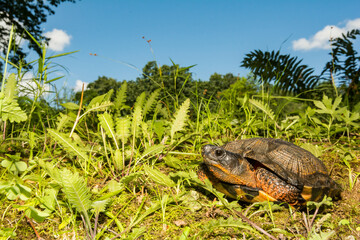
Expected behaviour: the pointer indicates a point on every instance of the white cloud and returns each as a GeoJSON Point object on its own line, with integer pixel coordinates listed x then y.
{"type": "Point", "coordinates": [59, 39]}
{"type": "Point", "coordinates": [322, 37]}
{"type": "Point", "coordinates": [28, 87]}
{"type": "Point", "coordinates": [353, 24]}
{"type": "Point", "coordinates": [78, 85]}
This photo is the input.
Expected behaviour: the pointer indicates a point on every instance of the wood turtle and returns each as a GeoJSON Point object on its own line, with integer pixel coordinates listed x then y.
{"type": "Point", "coordinates": [266, 169]}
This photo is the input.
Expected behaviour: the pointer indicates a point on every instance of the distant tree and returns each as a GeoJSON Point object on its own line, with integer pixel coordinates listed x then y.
{"type": "Point", "coordinates": [219, 83]}
{"type": "Point", "coordinates": [24, 14]}
{"type": "Point", "coordinates": [216, 84]}
{"type": "Point", "coordinates": [345, 65]}
{"type": "Point", "coordinates": [175, 81]}
{"type": "Point", "coordinates": [222, 87]}
{"type": "Point", "coordinates": [284, 72]}
{"type": "Point", "coordinates": [234, 94]}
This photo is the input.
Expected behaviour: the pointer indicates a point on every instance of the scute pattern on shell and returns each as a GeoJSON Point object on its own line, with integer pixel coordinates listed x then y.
{"type": "Point", "coordinates": [292, 163]}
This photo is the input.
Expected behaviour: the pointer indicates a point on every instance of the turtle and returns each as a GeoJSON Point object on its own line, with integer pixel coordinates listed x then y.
{"type": "Point", "coordinates": [267, 169]}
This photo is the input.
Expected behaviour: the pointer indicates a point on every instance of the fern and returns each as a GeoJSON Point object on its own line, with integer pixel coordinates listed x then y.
{"type": "Point", "coordinates": [120, 96]}
{"type": "Point", "coordinates": [108, 95]}
{"type": "Point", "coordinates": [63, 120]}
{"type": "Point", "coordinates": [151, 102]}
{"type": "Point", "coordinates": [122, 129]}
{"type": "Point", "coordinates": [69, 145]}
{"type": "Point", "coordinates": [107, 123]}
{"type": "Point", "coordinates": [122, 132]}
{"type": "Point", "coordinates": [162, 111]}
{"type": "Point", "coordinates": [137, 118]}
{"type": "Point", "coordinates": [145, 130]}
{"type": "Point", "coordinates": [77, 193]}
{"type": "Point", "coordinates": [100, 205]}
{"type": "Point", "coordinates": [74, 188]}
{"type": "Point", "coordinates": [52, 171]}
{"type": "Point", "coordinates": [99, 100]}
{"type": "Point", "coordinates": [9, 107]}
{"type": "Point", "coordinates": [10, 87]}
{"type": "Point", "coordinates": [119, 159]}
{"type": "Point", "coordinates": [263, 107]}
{"type": "Point", "coordinates": [10, 110]}
{"type": "Point", "coordinates": [180, 119]}
{"type": "Point", "coordinates": [97, 107]}
{"type": "Point", "coordinates": [287, 72]}
{"type": "Point", "coordinates": [137, 115]}
{"type": "Point", "coordinates": [159, 177]}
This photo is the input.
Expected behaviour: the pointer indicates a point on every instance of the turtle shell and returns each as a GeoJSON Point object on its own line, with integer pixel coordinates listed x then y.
{"type": "Point", "coordinates": [280, 169]}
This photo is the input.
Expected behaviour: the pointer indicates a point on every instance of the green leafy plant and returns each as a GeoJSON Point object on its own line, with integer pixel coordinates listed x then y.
{"type": "Point", "coordinates": [14, 164]}
{"type": "Point", "coordinates": [345, 64]}
{"type": "Point", "coordinates": [353, 176]}
{"type": "Point", "coordinates": [327, 106]}
{"type": "Point", "coordinates": [286, 72]}
{"type": "Point", "coordinates": [180, 117]}
{"type": "Point", "coordinates": [313, 231]}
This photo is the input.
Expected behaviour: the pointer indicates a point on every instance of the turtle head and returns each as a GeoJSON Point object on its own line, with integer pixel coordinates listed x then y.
{"type": "Point", "coordinates": [214, 155]}
{"type": "Point", "coordinates": [226, 166]}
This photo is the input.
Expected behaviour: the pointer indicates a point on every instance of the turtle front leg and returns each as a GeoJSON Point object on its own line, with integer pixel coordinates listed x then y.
{"type": "Point", "coordinates": [204, 173]}
{"type": "Point", "coordinates": [278, 188]}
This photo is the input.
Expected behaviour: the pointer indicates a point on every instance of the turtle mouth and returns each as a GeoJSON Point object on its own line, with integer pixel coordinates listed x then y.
{"type": "Point", "coordinates": [212, 163]}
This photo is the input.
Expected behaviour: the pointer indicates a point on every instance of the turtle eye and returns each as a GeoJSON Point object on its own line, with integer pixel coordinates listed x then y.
{"type": "Point", "coordinates": [219, 152]}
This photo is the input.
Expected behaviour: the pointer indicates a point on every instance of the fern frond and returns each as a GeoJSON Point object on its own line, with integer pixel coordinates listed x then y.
{"type": "Point", "coordinates": [52, 171]}
{"type": "Point", "coordinates": [77, 193]}
{"type": "Point", "coordinates": [98, 100]}
{"type": "Point", "coordinates": [10, 87]}
{"type": "Point", "coordinates": [120, 96]}
{"type": "Point", "coordinates": [137, 115]}
{"type": "Point", "coordinates": [107, 123]}
{"type": "Point", "coordinates": [76, 190]}
{"type": "Point", "coordinates": [100, 205]}
{"type": "Point", "coordinates": [151, 101]}
{"type": "Point", "coordinates": [118, 158]}
{"type": "Point", "coordinates": [68, 144]}
{"type": "Point", "coordinates": [159, 177]}
{"type": "Point", "coordinates": [287, 72]}
{"type": "Point", "coordinates": [180, 118]}
{"type": "Point", "coordinates": [263, 107]}
{"type": "Point", "coordinates": [266, 109]}
{"type": "Point", "coordinates": [122, 132]}
{"type": "Point", "coordinates": [108, 95]}
{"type": "Point", "coordinates": [97, 107]}
{"type": "Point", "coordinates": [10, 110]}
{"type": "Point", "coordinates": [63, 120]}
{"type": "Point", "coordinates": [123, 129]}
{"type": "Point", "coordinates": [145, 130]}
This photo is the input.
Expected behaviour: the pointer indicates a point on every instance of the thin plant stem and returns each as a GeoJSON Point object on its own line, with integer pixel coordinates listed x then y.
{"type": "Point", "coordinates": [78, 115]}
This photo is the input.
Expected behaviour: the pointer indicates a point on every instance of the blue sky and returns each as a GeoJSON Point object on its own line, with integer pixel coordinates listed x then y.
{"type": "Point", "coordinates": [214, 35]}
